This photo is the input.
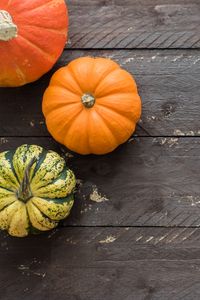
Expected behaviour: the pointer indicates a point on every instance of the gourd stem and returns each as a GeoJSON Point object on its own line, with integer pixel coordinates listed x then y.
{"type": "Point", "coordinates": [88, 100]}
{"type": "Point", "coordinates": [24, 193]}
{"type": "Point", "coordinates": [8, 30]}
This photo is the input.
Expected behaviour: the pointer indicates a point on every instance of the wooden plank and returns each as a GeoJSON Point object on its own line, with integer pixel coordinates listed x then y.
{"type": "Point", "coordinates": [134, 24]}
{"type": "Point", "coordinates": [102, 263]}
{"type": "Point", "coordinates": [146, 182]}
{"type": "Point", "coordinates": [168, 83]}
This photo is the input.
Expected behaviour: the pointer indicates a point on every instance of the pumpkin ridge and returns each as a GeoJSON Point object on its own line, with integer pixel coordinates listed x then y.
{"type": "Point", "coordinates": [42, 225]}
{"type": "Point", "coordinates": [67, 199]}
{"type": "Point", "coordinates": [7, 189]}
{"type": "Point", "coordinates": [54, 165]}
{"type": "Point", "coordinates": [46, 28]}
{"type": "Point", "coordinates": [69, 123]}
{"type": "Point", "coordinates": [23, 230]}
{"type": "Point", "coordinates": [74, 77]}
{"type": "Point", "coordinates": [46, 55]}
{"type": "Point", "coordinates": [6, 174]}
{"type": "Point", "coordinates": [66, 175]}
{"type": "Point", "coordinates": [105, 77]}
{"type": "Point", "coordinates": [11, 164]}
{"type": "Point", "coordinates": [8, 205]}
{"type": "Point", "coordinates": [8, 225]}
{"type": "Point", "coordinates": [61, 203]}
{"type": "Point", "coordinates": [59, 176]}
{"type": "Point", "coordinates": [63, 105]}
{"type": "Point", "coordinates": [37, 7]}
{"type": "Point", "coordinates": [116, 111]}
{"type": "Point", "coordinates": [39, 162]}
{"type": "Point", "coordinates": [109, 125]}
{"type": "Point", "coordinates": [105, 123]}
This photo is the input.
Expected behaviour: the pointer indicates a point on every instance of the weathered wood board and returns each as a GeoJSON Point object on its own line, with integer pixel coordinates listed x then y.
{"type": "Point", "coordinates": [102, 263]}
{"type": "Point", "coordinates": [146, 182]}
{"type": "Point", "coordinates": [133, 233]}
{"type": "Point", "coordinates": [134, 24]}
{"type": "Point", "coordinates": [168, 83]}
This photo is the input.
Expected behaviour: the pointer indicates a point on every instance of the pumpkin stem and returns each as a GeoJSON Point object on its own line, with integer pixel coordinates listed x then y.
{"type": "Point", "coordinates": [88, 100]}
{"type": "Point", "coordinates": [8, 30]}
{"type": "Point", "coordinates": [24, 193]}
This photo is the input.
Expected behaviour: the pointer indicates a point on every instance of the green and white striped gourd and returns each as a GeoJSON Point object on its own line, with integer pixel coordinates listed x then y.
{"type": "Point", "coordinates": [36, 190]}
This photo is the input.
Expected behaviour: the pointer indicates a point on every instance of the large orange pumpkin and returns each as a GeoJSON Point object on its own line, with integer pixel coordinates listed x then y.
{"type": "Point", "coordinates": [32, 36]}
{"type": "Point", "coordinates": [91, 105]}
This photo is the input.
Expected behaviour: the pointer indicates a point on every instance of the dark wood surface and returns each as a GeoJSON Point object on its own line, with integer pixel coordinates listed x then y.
{"type": "Point", "coordinates": [134, 24]}
{"type": "Point", "coordinates": [168, 82]}
{"type": "Point", "coordinates": [133, 233]}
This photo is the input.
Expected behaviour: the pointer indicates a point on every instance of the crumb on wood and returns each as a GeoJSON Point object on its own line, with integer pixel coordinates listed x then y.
{"type": "Point", "coordinates": [69, 155]}
{"type": "Point", "coordinates": [172, 142]}
{"type": "Point", "coordinates": [3, 141]}
{"type": "Point", "coordinates": [128, 60]}
{"type": "Point", "coordinates": [108, 240]}
{"type": "Point", "coordinates": [96, 195]}
{"type": "Point", "coordinates": [32, 123]}
{"type": "Point", "coordinates": [186, 133]}
{"type": "Point", "coordinates": [79, 182]}
{"type": "Point", "coordinates": [151, 118]}
{"type": "Point", "coordinates": [23, 267]}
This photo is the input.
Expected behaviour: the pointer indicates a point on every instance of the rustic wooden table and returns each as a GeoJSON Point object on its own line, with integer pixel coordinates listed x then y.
{"type": "Point", "coordinates": [134, 231]}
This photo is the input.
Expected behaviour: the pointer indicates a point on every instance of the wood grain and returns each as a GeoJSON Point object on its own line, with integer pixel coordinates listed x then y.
{"type": "Point", "coordinates": [146, 182]}
{"type": "Point", "coordinates": [102, 263]}
{"type": "Point", "coordinates": [134, 24]}
{"type": "Point", "coordinates": [168, 83]}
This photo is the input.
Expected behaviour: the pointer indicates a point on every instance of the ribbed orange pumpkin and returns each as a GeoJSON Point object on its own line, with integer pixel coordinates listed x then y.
{"type": "Point", "coordinates": [32, 36]}
{"type": "Point", "coordinates": [91, 105]}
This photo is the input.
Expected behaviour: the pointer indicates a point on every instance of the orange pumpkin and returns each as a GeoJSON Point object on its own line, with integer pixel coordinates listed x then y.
{"type": "Point", "coordinates": [32, 37]}
{"type": "Point", "coordinates": [91, 105]}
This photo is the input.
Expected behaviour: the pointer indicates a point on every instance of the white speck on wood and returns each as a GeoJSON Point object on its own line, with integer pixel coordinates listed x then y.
{"type": "Point", "coordinates": [52, 233]}
{"type": "Point", "coordinates": [149, 239]}
{"type": "Point", "coordinates": [130, 28]}
{"type": "Point", "coordinates": [190, 133]}
{"type": "Point", "coordinates": [163, 141]}
{"type": "Point", "coordinates": [196, 60]}
{"type": "Point", "coordinates": [172, 141]}
{"type": "Point", "coordinates": [186, 133]}
{"type": "Point", "coordinates": [151, 118]}
{"type": "Point", "coordinates": [128, 60]}
{"type": "Point", "coordinates": [131, 140]}
{"type": "Point", "coordinates": [168, 8]}
{"type": "Point", "coordinates": [3, 141]}
{"type": "Point", "coordinates": [79, 182]}
{"type": "Point", "coordinates": [69, 155]}
{"type": "Point", "coordinates": [40, 274]}
{"type": "Point", "coordinates": [179, 132]}
{"type": "Point", "coordinates": [190, 234]}
{"type": "Point", "coordinates": [139, 238]}
{"type": "Point", "coordinates": [23, 267]}
{"type": "Point", "coordinates": [194, 200]}
{"type": "Point", "coordinates": [159, 239]}
{"type": "Point", "coordinates": [96, 195]}
{"type": "Point", "coordinates": [32, 123]}
{"type": "Point", "coordinates": [153, 57]}
{"type": "Point", "coordinates": [177, 57]}
{"type": "Point", "coordinates": [173, 238]}
{"type": "Point", "coordinates": [108, 240]}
